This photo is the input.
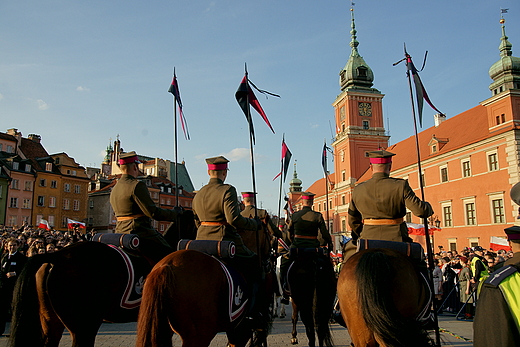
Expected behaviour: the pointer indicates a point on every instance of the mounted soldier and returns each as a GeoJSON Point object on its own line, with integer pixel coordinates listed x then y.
{"type": "Point", "coordinates": [134, 209]}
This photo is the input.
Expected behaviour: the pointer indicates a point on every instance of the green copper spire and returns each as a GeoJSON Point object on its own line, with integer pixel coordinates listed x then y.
{"type": "Point", "coordinates": [296, 183]}
{"type": "Point", "coordinates": [356, 74]}
{"type": "Point", "coordinates": [505, 72]}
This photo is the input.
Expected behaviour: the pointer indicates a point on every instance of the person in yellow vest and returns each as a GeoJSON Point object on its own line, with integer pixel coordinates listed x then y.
{"type": "Point", "coordinates": [497, 317]}
{"type": "Point", "coordinates": [478, 267]}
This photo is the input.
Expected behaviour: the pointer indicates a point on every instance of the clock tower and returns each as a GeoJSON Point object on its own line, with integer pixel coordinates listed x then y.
{"type": "Point", "coordinates": [359, 117]}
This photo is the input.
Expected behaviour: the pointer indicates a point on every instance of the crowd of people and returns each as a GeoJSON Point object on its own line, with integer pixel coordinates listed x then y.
{"type": "Point", "coordinates": [33, 241]}
{"type": "Point", "coordinates": [455, 280]}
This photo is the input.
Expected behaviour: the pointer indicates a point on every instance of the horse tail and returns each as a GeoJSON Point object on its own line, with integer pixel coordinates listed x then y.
{"type": "Point", "coordinates": [375, 274]}
{"type": "Point", "coordinates": [158, 296]}
{"type": "Point", "coordinates": [26, 315]}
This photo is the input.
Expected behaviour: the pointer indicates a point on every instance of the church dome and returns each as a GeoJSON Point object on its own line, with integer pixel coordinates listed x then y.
{"type": "Point", "coordinates": [506, 71]}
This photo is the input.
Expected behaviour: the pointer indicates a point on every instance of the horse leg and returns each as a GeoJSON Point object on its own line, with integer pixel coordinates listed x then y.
{"type": "Point", "coordinates": [52, 326]}
{"type": "Point", "coordinates": [306, 314]}
{"type": "Point", "coordinates": [294, 318]}
{"type": "Point", "coordinates": [282, 310]}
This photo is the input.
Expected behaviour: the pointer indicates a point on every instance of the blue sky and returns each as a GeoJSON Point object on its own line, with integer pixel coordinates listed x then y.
{"type": "Point", "coordinates": [79, 73]}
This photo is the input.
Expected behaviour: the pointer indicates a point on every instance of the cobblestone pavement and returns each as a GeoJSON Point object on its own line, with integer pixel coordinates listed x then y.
{"type": "Point", "coordinates": [453, 333]}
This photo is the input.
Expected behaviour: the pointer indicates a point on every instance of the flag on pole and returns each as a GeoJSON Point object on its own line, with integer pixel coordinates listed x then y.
{"type": "Point", "coordinates": [324, 159]}
{"type": "Point", "coordinates": [72, 223]}
{"type": "Point", "coordinates": [44, 225]}
{"type": "Point", "coordinates": [174, 89]}
{"type": "Point", "coordinates": [288, 206]}
{"type": "Point", "coordinates": [286, 159]}
{"type": "Point", "coordinates": [245, 97]}
{"type": "Point", "coordinates": [497, 243]}
{"type": "Point", "coordinates": [420, 91]}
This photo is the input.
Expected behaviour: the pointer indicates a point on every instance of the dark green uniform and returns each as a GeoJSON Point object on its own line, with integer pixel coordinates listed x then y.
{"type": "Point", "coordinates": [217, 205]}
{"type": "Point", "coordinates": [307, 229]}
{"type": "Point", "coordinates": [384, 197]}
{"type": "Point", "coordinates": [131, 200]}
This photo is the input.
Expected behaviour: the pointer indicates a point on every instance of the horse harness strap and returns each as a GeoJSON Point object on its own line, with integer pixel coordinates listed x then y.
{"type": "Point", "coordinates": [125, 218]}
{"type": "Point", "coordinates": [406, 247]}
{"type": "Point", "coordinates": [309, 237]}
{"type": "Point", "coordinates": [372, 221]}
{"type": "Point", "coordinates": [213, 223]}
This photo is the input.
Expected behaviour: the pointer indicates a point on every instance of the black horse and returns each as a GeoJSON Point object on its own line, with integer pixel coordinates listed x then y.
{"type": "Point", "coordinates": [313, 290]}
{"type": "Point", "coordinates": [78, 288]}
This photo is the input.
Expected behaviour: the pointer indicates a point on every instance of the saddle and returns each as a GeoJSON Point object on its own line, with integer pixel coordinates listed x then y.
{"type": "Point", "coordinates": [296, 252]}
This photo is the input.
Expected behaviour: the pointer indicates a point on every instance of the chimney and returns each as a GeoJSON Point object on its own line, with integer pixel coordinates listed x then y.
{"type": "Point", "coordinates": [438, 119]}
{"type": "Point", "coordinates": [34, 137]}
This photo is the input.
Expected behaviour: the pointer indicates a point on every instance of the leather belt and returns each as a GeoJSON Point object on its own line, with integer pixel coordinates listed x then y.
{"type": "Point", "coordinates": [134, 216]}
{"type": "Point", "coordinates": [213, 223]}
{"type": "Point", "coordinates": [383, 221]}
{"type": "Point", "coordinates": [309, 237]}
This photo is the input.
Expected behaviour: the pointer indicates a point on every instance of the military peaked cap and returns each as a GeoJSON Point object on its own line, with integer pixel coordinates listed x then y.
{"type": "Point", "coordinates": [217, 163]}
{"type": "Point", "coordinates": [380, 157]}
{"type": "Point", "coordinates": [307, 196]}
{"type": "Point", "coordinates": [128, 158]}
{"type": "Point", "coordinates": [513, 233]}
{"type": "Point", "coordinates": [248, 194]}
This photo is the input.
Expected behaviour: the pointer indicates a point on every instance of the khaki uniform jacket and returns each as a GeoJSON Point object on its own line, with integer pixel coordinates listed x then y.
{"type": "Point", "coordinates": [131, 197]}
{"type": "Point", "coordinates": [307, 222]}
{"type": "Point", "coordinates": [249, 212]}
{"type": "Point", "coordinates": [218, 202]}
{"type": "Point", "coordinates": [383, 197]}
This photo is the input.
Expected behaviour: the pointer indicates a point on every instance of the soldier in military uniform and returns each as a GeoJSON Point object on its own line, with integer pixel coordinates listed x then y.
{"type": "Point", "coordinates": [135, 209]}
{"type": "Point", "coordinates": [378, 206]}
{"type": "Point", "coordinates": [306, 229]}
{"type": "Point", "coordinates": [249, 200]}
{"type": "Point", "coordinates": [217, 211]}
{"type": "Point", "coordinates": [497, 317]}
{"type": "Point", "coordinates": [217, 216]}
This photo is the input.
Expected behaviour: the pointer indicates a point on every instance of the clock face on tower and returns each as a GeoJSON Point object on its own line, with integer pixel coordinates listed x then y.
{"type": "Point", "coordinates": [365, 109]}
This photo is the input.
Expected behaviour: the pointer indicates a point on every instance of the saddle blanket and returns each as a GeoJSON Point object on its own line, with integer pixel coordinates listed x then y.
{"type": "Point", "coordinates": [136, 273]}
{"type": "Point", "coordinates": [237, 297]}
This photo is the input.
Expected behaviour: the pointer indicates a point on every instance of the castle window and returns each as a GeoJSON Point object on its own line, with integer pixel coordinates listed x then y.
{"type": "Point", "coordinates": [444, 174]}
{"type": "Point", "coordinates": [366, 125]}
{"type": "Point", "coordinates": [466, 169]}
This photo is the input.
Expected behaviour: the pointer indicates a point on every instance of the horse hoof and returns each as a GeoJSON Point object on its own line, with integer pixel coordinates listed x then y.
{"type": "Point", "coordinates": [294, 341]}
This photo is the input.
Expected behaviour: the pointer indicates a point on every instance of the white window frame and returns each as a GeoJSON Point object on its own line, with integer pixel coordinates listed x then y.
{"type": "Point", "coordinates": [465, 202]}
{"type": "Point", "coordinates": [492, 198]}
{"type": "Point", "coordinates": [444, 221]}
{"type": "Point", "coordinates": [488, 155]}
{"type": "Point", "coordinates": [468, 162]}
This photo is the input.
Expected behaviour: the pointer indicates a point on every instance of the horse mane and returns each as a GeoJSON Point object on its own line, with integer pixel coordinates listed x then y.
{"type": "Point", "coordinates": [375, 272]}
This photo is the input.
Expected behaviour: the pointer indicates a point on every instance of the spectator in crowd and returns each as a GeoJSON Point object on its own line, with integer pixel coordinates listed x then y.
{"type": "Point", "coordinates": [466, 297]}
{"type": "Point", "coordinates": [11, 265]}
{"type": "Point", "coordinates": [437, 283]}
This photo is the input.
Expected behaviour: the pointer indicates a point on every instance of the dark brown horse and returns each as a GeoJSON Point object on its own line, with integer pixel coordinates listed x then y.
{"type": "Point", "coordinates": [381, 295]}
{"type": "Point", "coordinates": [188, 292]}
{"type": "Point", "coordinates": [77, 288]}
{"type": "Point", "coordinates": [313, 289]}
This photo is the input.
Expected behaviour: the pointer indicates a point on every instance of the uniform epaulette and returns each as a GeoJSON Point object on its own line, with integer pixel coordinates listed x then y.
{"type": "Point", "coordinates": [498, 276]}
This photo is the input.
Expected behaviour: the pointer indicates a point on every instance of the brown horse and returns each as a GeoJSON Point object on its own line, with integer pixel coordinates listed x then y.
{"type": "Point", "coordinates": [187, 293]}
{"type": "Point", "coordinates": [77, 288]}
{"type": "Point", "coordinates": [313, 289]}
{"type": "Point", "coordinates": [381, 295]}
